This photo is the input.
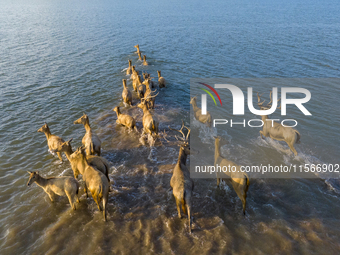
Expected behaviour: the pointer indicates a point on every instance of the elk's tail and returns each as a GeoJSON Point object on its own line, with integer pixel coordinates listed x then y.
{"type": "Point", "coordinates": [298, 137]}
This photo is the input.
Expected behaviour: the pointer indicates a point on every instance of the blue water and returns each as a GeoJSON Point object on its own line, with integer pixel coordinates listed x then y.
{"type": "Point", "coordinates": [59, 59]}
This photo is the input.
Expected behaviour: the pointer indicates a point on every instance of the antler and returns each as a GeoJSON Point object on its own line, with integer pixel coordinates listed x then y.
{"type": "Point", "coordinates": [259, 99]}
{"type": "Point", "coordinates": [184, 138]}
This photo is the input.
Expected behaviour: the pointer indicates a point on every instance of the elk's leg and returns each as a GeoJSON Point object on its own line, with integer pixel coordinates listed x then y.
{"type": "Point", "coordinates": [184, 209]}
{"type": "Point", "coordinates": [291, 146]}
{"type": "Point", "coordinates": [189, 217]}
{"type": "Point", "coordinates": [105, 199]}
{"type": "Point", "coordinates": [85, 190]}
{"type": "Point", "coordinates": [97, 200]}
{"type": "Point", "coordinates": [59, 156]}
{"type": "Point", "coordinates": [99, 151]}
{"type": "Point", "coordinates": [50, 194]}
{"type": "Point", "coordinates": [218, 182]}
{"type": "Point", "coordinates": [178, 208]}
{"type": "Point", "coordinates": [70, 200]}
{"type": "Point", "coordinates": [261, 133]}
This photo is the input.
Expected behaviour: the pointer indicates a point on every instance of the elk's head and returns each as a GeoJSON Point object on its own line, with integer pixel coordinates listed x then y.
{"type": "Point", "coordinates": [116, 109]}
{"type": "Point", "coordinates": [184, 139]}
{"type": "Point", "coordinates": [44, 128]}
{"type": "Point", "coordinates": [66, 146]}
{"type": "Point", "coordinates": [159, 74]}
{"type": "Point", "coordinates": [193, 100]}
{"type": "Point", "coordinates": [33, 177]}
{"type": "Point", "coordinates": [82, 120]}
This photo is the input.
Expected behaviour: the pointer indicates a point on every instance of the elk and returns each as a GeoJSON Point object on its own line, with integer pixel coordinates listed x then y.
{"type": "Point", "coordinates": [129, 70]}
{"type": "Point", "coordinates": [139, 56]}
{"type": "Point", "coordinates": [53, 141]}
{"type": "Point", "coordinates": [161, 80]}
{"type": "Point", "coordinates": [98, 162]}
{"type": "Point", "coordinates": [95, 181]}
{"type": "Point", "coordinates": [181, 183]}
{"type": "Point", "coordinates": [126, 94]}
{"type": "Point", "coordinates": [148, 79]}
{"type": "Point", "coordinates": [145, 63]}
{"type": "Point", "coordinates": [136, 81]}
{"type": "Point", "coordinates": [149, 94]}
{"type": "Point", "coordinates": [150, 123]}
{"type": "Point", "coordinates": [140, 88]}
{"type": "Point", "coordinates": [124, 119]}
{"type": "Point", "coordinates": [238, 179]}
{"type": "Point", "coordinates": [61, 186]}
{"type": "Point", "coordinates": [90, 140]}
{"type": "Point", "coordinates": [198, 113]}
{"type": "Point", "coordinates": [134, 73]}
{"type": "Point", "coordinates": [275, 130]}
{"type": "Point", "coordinates": [137, 47]}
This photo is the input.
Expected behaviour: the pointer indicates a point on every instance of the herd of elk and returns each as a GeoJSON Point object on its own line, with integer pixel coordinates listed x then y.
{"type": "Point", "coordinates": [95, 169]}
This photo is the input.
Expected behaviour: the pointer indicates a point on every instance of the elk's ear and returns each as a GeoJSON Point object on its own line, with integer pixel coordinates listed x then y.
{"type": "Point", "coordinates": [70, 140]}
{"type": "Point", "coordinates": [29, 172]}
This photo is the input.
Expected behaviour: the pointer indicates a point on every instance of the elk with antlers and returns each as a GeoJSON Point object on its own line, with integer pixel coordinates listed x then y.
{"type": "Point", "coordinates": [126, 94]}
{"type": "Point", "coordinates": [198, 113]}
{"type": "Point", "coordinates": [275, 130]}
{"type": "Point", "coordinates": [148, 79]}
{"type": "Point", "coordinates": [150, 123]}
{"type": "Point", "coordinates": [238, 179]}
{"type": "Point", "coordinates": [90, 140]}
{"type": "Point", "coordinates": [181, 183]}
{"type": "Point", "coordinates": [149, 94]}
{"type": "Point", "coordinates": [53, 141]}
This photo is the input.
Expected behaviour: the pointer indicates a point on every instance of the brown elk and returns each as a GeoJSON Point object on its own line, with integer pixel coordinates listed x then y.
{"type": "Point", "coordinates": [126, 94]}
{"type": "Point", "coordinates": [90, 140]}
{"type": "Point", "coordinates": [161, 80]}
{"type": "Point", "coordinates": [150, 123]}
{"type": "Point", "coordinates": [198, 113]}
{"type": "Point", "coordinates": [137, 47]}
{"type": "Point", "coordinates": [181, 183]}
{"type": "Point", "coordinates": [275, 130]}
{"type": "Point", "coordinates": [145, 63]}
{"type": "Point", "coordinates": [98, 162]}
{"type": "Point", "coordinates": [129, 70]}
{"type": "Point", "coordinates": [53, 141]}
{"type": "Point", "coordinates": [61, 186]}
{"type": "Point", "coordinates": [124, 119]}
{"type": "Point", "coordinates": [95, 181]}
{"type": "Point", "coordinates": [238, 179]}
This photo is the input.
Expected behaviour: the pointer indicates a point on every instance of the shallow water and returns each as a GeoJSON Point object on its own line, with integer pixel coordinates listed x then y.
{"type": "Point", "coordinates": [61, 59]}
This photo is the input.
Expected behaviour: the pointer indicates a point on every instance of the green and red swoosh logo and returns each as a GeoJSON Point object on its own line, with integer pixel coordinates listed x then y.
{"type": "Point", "coordinates": [208, 92]}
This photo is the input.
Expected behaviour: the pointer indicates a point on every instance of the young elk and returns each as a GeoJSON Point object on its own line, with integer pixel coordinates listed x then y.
{"type": "Point", "coordinates": [275, 130]}
{"type": "Point", "coordinates": [198, 113]}
{"type": "Point", "coordinates": [129, 70]}
{"type": "Point", "coordinates": [137, 47]}
{"type": "Point", "coordinates": [62, 186]}
{"type": "Point", "coordinates": [98, 162]}
{"type": "Point", "coordinates": [53, 141]}
{"type": "Point", "coordinates": [90, 140]}
{"type": "Point", "coordinates": [150, 123]}
{"type": "Point", "coordinates": [139, 56]}
{"type": "Point", "coordinates": [181, 183]}
{"type": "Point", "coordinates": [238, 179]}
{"type": "Point", "coordinates": [126, 94]}
{"type": "Point", "coordinates": [94, 180]}
{"type": "Point", "coordinates": [124, 119]}
{"type": "Point", "coordinates": [161, 80]}
{"type": "Point", "coordinates": [145, 63]}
